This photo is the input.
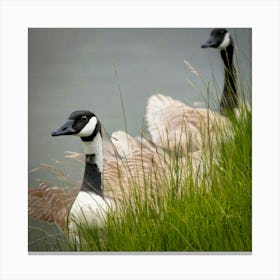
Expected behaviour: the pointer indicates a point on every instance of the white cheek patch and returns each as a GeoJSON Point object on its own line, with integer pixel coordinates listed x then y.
{"type": "Point", "coordinates": [225, 42]}
{"type": "Point", "coordinates": [89, 128]}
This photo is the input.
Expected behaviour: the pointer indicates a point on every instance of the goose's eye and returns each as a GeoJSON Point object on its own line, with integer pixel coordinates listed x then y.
{"type": "Point", "coordinates": [84, 118]}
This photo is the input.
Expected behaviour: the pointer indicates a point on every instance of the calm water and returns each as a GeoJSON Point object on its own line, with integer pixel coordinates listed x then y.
{"type": "Point", "coordinates": [70, 69]}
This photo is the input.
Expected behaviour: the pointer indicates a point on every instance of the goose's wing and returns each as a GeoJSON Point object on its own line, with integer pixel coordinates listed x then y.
{"type": "Point", "coordinates": [138, 164]}
{"type": "Point", "coordinates": [137, 171]}
{"type": "Point", "coordinates": [146, 170]}
{"type": "Point", "coordinates": [50, 204]}
{"type": "Point", "coordinates": [171, 124]}
{"type": "Point", "coordinates": [125, 144]}
{"type": "Point", "coordinates": [174, 125]}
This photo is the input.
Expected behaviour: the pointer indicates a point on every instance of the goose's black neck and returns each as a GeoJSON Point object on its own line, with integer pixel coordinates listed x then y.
{"type": "Point", "coordinates": [92, 181]}
{"type": "Point", "coordinates": [229, 99]}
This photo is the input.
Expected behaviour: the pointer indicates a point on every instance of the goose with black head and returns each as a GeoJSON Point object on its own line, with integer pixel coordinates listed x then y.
{"type": "Point", "coordinates": [90, 205]}
{"type": "Point", "coordinates": [173, 124]}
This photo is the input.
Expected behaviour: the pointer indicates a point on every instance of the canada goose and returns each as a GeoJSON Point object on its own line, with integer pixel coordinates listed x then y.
{"type": "Point", "coordinates": [221, 39]}
{"type": "Point", "coordinates": [137, 162]}
{"type": "Point", "coordinates": [87, 204]}
{"type": "Point", "coordinates": [173, 124]}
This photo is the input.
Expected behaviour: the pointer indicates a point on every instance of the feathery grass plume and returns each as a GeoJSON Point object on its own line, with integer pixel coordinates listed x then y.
{"type": "Point", "coordinates": [192, 69]}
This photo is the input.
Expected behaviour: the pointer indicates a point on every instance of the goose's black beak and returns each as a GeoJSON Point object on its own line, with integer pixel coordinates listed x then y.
{"type": "Point", "coordinates": [211, 43]}
{"type": "Point", "coordinates": [65, 129]}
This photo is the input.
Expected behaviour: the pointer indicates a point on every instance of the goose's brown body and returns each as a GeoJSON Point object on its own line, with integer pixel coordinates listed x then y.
{"type": "Point", "coordinates": [174, 125]}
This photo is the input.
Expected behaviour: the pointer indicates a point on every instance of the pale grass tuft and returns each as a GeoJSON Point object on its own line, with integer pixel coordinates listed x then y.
{"type": "Point", "coordinates": [44, 166]}
{"type": "Point", "coordinates": [191, 68]}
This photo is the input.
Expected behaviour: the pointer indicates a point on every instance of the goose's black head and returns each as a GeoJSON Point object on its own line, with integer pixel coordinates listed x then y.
{"type": "Point", "coordinates": [219, 38]}
{"type": "Point", "coordinates": [80, 123]}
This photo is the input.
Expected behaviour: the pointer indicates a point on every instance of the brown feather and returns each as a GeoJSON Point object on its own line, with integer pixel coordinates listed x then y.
{"type": "Point", "coordinates": [172, 124]}
{"type": "Point", "coordinates": [51, 204]}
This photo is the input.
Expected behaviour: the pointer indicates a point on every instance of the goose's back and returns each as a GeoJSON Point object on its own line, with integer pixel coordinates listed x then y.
{"type": "Point", "coordinates": [174, 125]}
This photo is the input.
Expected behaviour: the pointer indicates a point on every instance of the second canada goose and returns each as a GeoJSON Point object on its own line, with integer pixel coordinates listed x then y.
{"type": "Point", "coordinates": [221, 39]}
{"type": "Point", "coordinates": [171, 123]}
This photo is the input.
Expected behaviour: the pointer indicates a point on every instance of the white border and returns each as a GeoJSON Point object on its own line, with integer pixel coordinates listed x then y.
{"type": "Point", "coordinates": [17, 16]}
